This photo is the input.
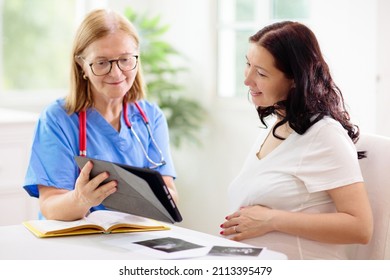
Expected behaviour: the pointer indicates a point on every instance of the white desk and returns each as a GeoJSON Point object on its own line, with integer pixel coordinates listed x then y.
{"type": "Point", "coordinates": [18, 243]}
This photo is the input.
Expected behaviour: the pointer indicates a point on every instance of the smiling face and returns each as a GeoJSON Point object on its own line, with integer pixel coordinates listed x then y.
{"type": "Point", "coordinates": [115, 84]}
{"type": "Point", "coordinates": [267, 84]}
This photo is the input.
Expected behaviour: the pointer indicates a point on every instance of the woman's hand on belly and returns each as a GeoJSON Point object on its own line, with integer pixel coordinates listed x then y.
{"type": "Point", "coordinates": [248, 222]}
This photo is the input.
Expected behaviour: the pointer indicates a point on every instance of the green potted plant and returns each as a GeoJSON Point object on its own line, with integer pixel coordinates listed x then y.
{"type": "Point", "coordinates": [184, 115]}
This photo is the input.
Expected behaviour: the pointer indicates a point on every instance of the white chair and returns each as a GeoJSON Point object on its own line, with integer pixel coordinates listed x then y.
{"type": "Point", "coordinates": [376, 172]}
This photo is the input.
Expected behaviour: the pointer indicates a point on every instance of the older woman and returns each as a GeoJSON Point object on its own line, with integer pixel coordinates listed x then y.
{"type": "Point", "coordinates": [103, 116]}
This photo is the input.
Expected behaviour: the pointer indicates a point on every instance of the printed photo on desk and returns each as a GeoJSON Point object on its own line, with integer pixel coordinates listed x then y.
{"type": "Point", "coordinates": [100, 221]}
{"type": "Point", "coordinates": [168, 244]}
{"type": "Point", "coordinates": [180, 243]}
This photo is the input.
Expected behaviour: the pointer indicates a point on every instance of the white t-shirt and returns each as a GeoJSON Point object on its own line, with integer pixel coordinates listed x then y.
{"type": "Point", "coordinates": [294, 177]}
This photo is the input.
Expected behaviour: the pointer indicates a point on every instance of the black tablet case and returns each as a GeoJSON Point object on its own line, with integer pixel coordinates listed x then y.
{"type": "Point", "coordinates": [141, 191]}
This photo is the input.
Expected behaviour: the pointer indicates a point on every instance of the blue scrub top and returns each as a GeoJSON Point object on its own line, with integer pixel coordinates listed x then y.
{"type": "Point", "coordinates": [56, 142]}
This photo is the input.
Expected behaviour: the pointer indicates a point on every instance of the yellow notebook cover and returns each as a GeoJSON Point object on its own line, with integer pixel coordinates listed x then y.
{"type": "Point", "coordinates": [101, 221]}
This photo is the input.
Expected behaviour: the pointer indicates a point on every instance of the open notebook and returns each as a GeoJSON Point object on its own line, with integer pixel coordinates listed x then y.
{"type": "Point", "coordinates": [101, 221]}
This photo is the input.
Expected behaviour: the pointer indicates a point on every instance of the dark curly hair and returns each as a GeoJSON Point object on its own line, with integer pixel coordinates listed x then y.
{"type": "Point", "coordinates": [297, 54]}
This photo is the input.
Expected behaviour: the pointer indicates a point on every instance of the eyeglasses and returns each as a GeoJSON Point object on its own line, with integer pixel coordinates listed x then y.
{"type": "Point", "coordinates": [103, 67]}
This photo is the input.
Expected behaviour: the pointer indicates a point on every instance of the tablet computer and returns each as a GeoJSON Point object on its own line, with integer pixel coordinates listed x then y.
{"type": "Point", "coordinates": [140, 191]}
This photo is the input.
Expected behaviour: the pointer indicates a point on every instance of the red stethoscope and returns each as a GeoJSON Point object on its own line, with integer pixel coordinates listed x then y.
{"type": "Point", "coordinates": [83, 135]}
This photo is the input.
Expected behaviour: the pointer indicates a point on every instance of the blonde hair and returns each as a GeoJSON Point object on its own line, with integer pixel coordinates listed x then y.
{"type": "Point", "coordinates": [97, 24]}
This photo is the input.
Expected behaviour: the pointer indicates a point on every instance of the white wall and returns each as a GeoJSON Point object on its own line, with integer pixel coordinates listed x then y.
{"type": "Point", "coordinates": [383, 70]}
{"type": "Point", "coordinates": [346, 31]}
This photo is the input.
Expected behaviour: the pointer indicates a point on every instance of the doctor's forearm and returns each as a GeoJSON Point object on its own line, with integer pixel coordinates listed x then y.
{"type": "Point", "coordinates": [63, 207]}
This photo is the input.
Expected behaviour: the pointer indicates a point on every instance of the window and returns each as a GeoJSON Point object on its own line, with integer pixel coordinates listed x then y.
{"type": "Point", "coordinates": [35, 44]}
{"type": "Point", "coordinates": [239, 19]}
{"type": "Point", "coordinates": [36, 36]}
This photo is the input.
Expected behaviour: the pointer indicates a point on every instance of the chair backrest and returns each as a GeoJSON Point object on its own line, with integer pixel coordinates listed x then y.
{"type": "Point", "coordinates": [376, 173]}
